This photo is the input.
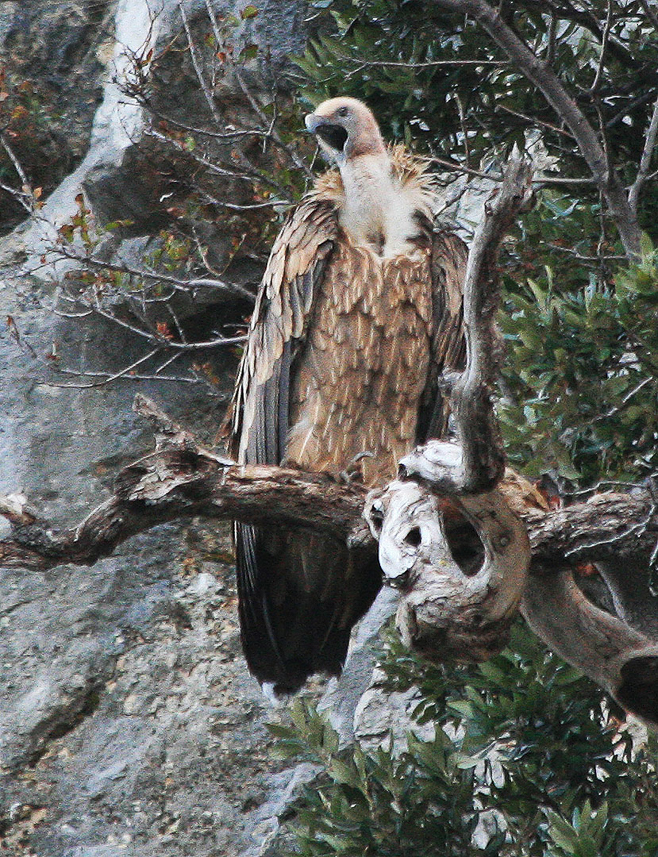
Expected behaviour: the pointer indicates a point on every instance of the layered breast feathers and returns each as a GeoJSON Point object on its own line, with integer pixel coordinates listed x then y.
{"type": "Point", "coordinates": [340, 372]}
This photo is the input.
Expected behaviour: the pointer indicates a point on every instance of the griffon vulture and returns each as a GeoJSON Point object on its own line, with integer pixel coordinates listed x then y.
{"type": "Point", "coordinates": [358, 313]}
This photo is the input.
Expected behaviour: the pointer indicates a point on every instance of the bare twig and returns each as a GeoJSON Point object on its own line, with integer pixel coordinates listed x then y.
{"type": "Point", "coordinates": [604, 44]}
{"type": "Point", "coordinates": [247, 172]}
{"type": "Point", "coordinates": [25, 199]}
{"type": "Point", "coordinates": [532, 120]}
{"type": "Point", "coordinates": [645, 160]}
{"type": "Point", "coordinates": [427, 64]}
{"type": "Point", "coordinates": [152, 335]}
{"type": "Point", "coordinates": [468, 171]}
{"type": "Point", "coordinates": [120, 374]}
{"type": "Point", "coordinates": [179, 284]}
{"type": "Point", "coordinates": [27, 187]}
{"type": "Point", "coordinates": [197, 68]}
{"type": "Point", "coordinates": [581, 257]}
{"type": "Point", "coordinates": [272, 132]}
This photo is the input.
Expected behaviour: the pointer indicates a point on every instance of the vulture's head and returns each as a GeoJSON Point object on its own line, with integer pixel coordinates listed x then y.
{"type": "Point", "coordinates": [345, 128]}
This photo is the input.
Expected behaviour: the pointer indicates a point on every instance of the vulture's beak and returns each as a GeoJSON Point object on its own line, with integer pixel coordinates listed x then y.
{"type": "Point", "coordinates": [312, 121]}
{"type": "Point", "coordinates": [334, 135]}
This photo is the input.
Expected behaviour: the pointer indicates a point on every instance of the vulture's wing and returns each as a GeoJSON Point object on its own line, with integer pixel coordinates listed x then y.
{"type": "Point", "coordinates": [449, 256]}
{"type": "Point", "coordinates": [299, 592]}
{"type": "Point", "coordinates": [278, 329]}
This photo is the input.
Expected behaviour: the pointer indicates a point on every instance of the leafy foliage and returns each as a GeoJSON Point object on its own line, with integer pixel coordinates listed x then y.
{"type": "Point", "coordinates": [403, 57]}
{"type": "Point", "coordinates": [523, 743]}
{"type": "Point", "coordinates": [583, 367]}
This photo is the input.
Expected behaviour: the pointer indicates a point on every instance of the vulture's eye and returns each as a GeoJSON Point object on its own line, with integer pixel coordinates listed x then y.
{"type": "Point", "coordinates": [343, 111]}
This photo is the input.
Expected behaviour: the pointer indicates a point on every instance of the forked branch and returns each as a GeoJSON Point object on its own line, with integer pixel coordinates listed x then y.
{"type": "Point", "coordinates": [446, 610]}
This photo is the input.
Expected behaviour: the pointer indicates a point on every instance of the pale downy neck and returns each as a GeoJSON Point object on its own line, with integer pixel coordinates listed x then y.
{"type": "Point", "coordinates": [378, 211]}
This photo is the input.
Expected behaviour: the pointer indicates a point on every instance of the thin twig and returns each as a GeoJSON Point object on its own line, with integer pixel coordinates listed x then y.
{"type": "Point", "coordinates": [248, 171]}
{"type": "Point", "coordinates": [17, 164]}
{"type": "Point", "coordinates": [645, 160]}
{"type": "Point", "coordinates": [113, 377]}
{"type": "Point", "coordinates": [180, 285]}
{"type": "Point", "coordinates": [197, 67]}
{"type": "Point", "coordinates": [581, 258]}
{"type": "Point", "coordinates": [232, 206]}
{"type": "Point", "coordinates": [534, 121]}
{"type": "Point", "coordinates": [604, 44]}
{"type": "Point", "coordinates": [25, 199]}
{"type": "Point", "coordinates": [427, 64]}
{"type": "Point", "coordinates": [154, 336]}
{"type": "Point", "coordinates": [258, 110]}
{"type": "Point", "coordinates": [627, 398]}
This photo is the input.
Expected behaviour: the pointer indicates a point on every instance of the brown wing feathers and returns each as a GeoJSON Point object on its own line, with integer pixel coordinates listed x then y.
{"type": "Point", "coordinates": [292, 599]}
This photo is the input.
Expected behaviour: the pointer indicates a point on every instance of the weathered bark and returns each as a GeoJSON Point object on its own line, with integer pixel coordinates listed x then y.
{"type": "Point", "coordinates": [186, 480]}
{"type": "Point", "coordinates": [478, 433]}
{"type": "Point", "coordinates": [616, 657]}
{"type": "Point", "coordinates": [181, 479]}
{"type": "Point", "coordinates": [450, 610]}
{"type": "Point", "coordinates": [608, 526]}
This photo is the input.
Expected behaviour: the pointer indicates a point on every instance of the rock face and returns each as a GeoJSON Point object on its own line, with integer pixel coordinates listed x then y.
{"type": "Point", "coordinates": [54, 56]}
{"type": "Point", "coordinates": [128, 720]}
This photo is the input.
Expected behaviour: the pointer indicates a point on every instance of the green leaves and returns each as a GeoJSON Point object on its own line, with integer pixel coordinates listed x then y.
{"type": "Point", "coordinates": [583, 366]}
{"type": "Point", "coordinates": [522, 741]}
{"type": "Point", "coordinates": [584, 836]}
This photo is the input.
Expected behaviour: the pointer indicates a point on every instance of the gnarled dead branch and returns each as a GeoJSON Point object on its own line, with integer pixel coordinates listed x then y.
{"type": "Point", "coordinates": [607, 649]}
{"type": "Point", "coordinates": [444, 610]}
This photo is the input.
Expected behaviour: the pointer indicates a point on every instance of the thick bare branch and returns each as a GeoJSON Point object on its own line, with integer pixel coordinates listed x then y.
{"type": "Point", "coordinates": [445, 609]}
{"type": "Point", "coordinates": [477, 427]}
{"type": "Point", "coordinates": [614, 655]}
{"type": "Point", "coordinates": [450, 610]}
{"type": "Point", "coordinates": [178, 480]}
{"type": "Point", "coordinates": [609, 526]}
{"type": "Point", "coordinates": [181, 479]}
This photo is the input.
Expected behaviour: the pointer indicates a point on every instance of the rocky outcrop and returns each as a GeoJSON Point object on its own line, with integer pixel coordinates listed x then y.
{"type": "Point", "coordinates": [54, 57]}
{"type": "Point", "coordinates": [128, 720]}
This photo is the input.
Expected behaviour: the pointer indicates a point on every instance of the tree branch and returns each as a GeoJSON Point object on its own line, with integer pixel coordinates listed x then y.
{"type": "Point", "coordinates": [545, 79]}
{"type": "Point", "coordinates": [477, 426]}
{"type": "Point", "coordinates": [180, 479]}
{"type": "Point", "coordinates": [614, 655]}
{"type": "Point", "coordinates": [645, 161]}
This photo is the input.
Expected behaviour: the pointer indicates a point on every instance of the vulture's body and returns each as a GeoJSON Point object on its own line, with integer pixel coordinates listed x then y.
{"type": "Point", "coordinates": [358, 313]}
